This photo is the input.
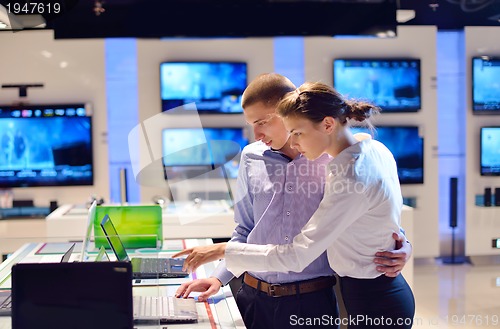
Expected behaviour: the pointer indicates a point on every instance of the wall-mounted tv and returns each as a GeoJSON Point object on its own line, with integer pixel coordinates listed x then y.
{"type": "Point", "coordinates": [391, 84]}
{"type": "Point", "coordinates": [215, 87]}
{"type": "Point", "coordinates": [45, 145]}
{"type": "Point", "coordinates": [189, 152]}
{"type": "Point", "coordinates": [486, 85]}
{"type": "Point", "coordinates": [490, 151]}
{"type": "Point", "coordinates": [407, 147]}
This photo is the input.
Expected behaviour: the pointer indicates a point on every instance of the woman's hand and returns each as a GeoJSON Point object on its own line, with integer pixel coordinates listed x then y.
{"type": "Point", "coordinates": [200, 255]}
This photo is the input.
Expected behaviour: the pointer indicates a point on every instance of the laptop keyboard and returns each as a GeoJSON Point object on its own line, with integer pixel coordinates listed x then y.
{"type": "Point", "coordinates": [153, 306]}
{"type": "Point", "coordinates": [155, 265]}
{"type": "Point", "coordinates": [6, 306]}
{"type": "Point", "coordinates": [166, 308]}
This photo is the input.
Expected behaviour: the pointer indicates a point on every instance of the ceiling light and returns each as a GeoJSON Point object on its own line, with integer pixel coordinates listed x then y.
{"type": "Point", "coordinates": [404, 15]}
{"type": "Point", "coordinates": [46, 53]}
{"type": "Point", "coordinates": [32, 21]}
{"type": "Point", "coordinates": [9, 20]}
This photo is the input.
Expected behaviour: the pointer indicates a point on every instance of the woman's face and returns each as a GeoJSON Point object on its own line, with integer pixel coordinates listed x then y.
{"type": "Point", "coordinates": [307, 137]}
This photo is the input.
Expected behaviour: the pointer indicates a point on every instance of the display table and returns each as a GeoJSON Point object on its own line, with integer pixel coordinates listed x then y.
{"type": "Point", "coordinates": [181, 220]}
{"type": "Point", "coordinates": [219, 312]}
{"type": "Point", "coordinates": [213, 219]}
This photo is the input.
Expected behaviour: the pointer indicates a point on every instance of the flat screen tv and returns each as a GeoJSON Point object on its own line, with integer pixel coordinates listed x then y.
{"type": "Point", "coordinates": [490, 151]}
{"type": "Point", "coordinates": [486, 85]}
{"type": "Point", "coordinates": [215, 87]}
{"type": "Point", "coordinates": [407, 147]}
{"type": "Point", "coordinates": [391, 84]}
{"type": "Point", "coordinates": [45, 145]}
{"type": "Point", "coordinates": [189, 152]}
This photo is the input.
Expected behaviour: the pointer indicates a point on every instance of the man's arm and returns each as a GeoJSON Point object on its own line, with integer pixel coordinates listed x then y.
{"type": "Point", "coordinates": [391, 263]}
{"type": "Point", "coordinates": [243, 217]}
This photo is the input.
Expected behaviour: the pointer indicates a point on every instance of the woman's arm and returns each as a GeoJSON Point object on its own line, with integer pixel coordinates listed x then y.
{"type": "Point", "coordinates": [343, 203]}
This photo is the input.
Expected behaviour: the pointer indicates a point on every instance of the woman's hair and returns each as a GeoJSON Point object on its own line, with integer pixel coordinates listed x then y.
{"type": "Point", "coordinates": [316, 100]}
{"type": "Point", "coordinates": [267, 88]}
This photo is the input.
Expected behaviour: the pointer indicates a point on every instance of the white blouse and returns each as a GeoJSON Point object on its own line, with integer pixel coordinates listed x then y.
{"type": "Point", "coordinates": [360, 210]}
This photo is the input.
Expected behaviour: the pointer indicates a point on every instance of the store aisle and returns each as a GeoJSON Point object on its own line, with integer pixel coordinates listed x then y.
{"type": "Point", "coordinates": [457, 296]}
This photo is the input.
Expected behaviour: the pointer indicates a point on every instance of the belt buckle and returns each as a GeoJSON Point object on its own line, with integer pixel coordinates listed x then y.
{"type": "Point", "coordinates": [271, 290]}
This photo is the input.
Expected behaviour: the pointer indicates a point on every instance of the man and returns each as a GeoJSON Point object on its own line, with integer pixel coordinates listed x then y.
{"type": "Point", "coordinates": [278, 191]}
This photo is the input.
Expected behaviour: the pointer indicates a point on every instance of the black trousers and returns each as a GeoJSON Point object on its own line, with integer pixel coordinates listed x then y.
{"type": "Point", "coordinates": [312, 310]}
{"type": "Point", "coordinates": [382, 302]}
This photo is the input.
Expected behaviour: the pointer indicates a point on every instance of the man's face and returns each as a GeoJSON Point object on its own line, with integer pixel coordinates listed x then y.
{"type": "Point", "coordinates": [267, 126]}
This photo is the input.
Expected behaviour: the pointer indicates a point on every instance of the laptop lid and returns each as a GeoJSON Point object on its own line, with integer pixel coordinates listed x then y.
{"type": "Point", "coordinates": [6, 310]}
{"type": "Point", "coordinates": [88, 232]}
{"type": "Point", "coordinates": [95, 295]}
{"type": "Point", "coordinates": [114, 240]}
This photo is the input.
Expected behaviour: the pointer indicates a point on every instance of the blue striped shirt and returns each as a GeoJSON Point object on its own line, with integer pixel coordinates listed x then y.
{"type": "Point", "coordinates": [275, 197]}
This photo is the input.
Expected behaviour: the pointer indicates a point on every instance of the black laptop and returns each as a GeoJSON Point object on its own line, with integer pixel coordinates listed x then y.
{"type": "Point", "coordinates": [78, 295]}
{"type": "Point", "coordinates": [6, 295]}
{"type": "Point", "coordinates": [142, 268]}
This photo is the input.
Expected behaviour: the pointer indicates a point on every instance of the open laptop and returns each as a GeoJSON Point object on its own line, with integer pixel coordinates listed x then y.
{"type": "Point", "coordinates": [142, 268]}
{"type": "Point", "coordinates": [88, 233]}
{"type": "Point", "coordinates": [6, 295]}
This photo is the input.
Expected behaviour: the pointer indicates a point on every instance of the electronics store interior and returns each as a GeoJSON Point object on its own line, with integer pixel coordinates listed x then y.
{"type": "Point", "coordinates": [124, 141]}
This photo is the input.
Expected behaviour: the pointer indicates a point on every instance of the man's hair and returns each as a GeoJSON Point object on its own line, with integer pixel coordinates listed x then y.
{"type": "Point", "coordinates": [267, 88]}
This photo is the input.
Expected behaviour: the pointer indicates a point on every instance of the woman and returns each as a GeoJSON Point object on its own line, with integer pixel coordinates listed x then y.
{"type": "Point", "coordinates": [360, 208]}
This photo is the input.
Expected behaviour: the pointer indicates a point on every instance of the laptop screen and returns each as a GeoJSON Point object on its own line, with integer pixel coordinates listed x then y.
{"type": "Point", "coordinates": [114, 240]}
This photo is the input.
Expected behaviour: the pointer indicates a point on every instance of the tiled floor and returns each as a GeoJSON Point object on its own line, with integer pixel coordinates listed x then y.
{"type": "Point", "coordinates": [456, 296]}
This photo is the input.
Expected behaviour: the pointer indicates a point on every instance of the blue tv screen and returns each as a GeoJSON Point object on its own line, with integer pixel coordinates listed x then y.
{"type": "Point", "coordinates": [490, 151]}
{"type": "Point", "coordinates": [188, 151]}
{"type": "Point", "coordinates": [486, 85]}
{"type": "Point", "coordinates": [45, 145]}
{"type": "Point", "coordinates": [391, 84]}
{"type": "Point", "coordinates": [215, 87]}
{"type": "Point", "coordinates": [407, 147]}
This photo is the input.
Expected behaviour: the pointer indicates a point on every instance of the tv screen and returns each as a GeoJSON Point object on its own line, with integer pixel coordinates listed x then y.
{"type": "Point", "coordinates": [45, 145]}
{"type": "Point", "coordinates": [490, 151]}
{"type": "Point", "coordinates": [215, 87]}
{"type": "Point", "coordinates": [189, 152]}
{"type": "Point", "coordinates": [486, 85]}
{"type": "Point", "coordinates": [407, 147]}
{"type": "Point", "coordinates": [391, 84]}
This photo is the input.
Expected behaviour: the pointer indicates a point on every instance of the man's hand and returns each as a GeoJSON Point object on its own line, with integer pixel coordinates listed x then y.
{"type": "Point", "coordinates": [208, 287]}
{"type": "Point", "coordinates": [200, 255]}
{"type": "Point", "coordinates": [392, 262]}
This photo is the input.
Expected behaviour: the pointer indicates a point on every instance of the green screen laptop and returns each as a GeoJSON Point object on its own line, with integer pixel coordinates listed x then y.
{"type": "Point", "coordinates": [142, 268]}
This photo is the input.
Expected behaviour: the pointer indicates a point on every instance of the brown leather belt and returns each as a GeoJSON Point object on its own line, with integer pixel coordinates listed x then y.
{"type": "Point", "coordinates": [288, 289]}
